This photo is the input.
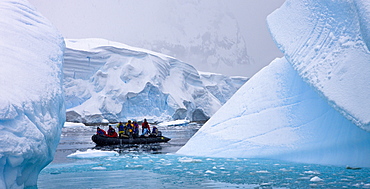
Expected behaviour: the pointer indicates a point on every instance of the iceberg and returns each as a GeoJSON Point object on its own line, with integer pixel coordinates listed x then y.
{"type": "Point", "coordinates": [326, 44]}
{"type": "Point", "coordinates": [116, 82]}
{"type": "Point", "coordinates": [32, 110]}
{"type": "Point", "coordinates": [309, 106]}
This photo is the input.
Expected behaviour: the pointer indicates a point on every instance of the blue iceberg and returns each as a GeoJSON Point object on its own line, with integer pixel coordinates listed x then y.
{"type": "Point", "coordinates": [309, 106]}
{"type": "Point", "coordinates": [32, 110]}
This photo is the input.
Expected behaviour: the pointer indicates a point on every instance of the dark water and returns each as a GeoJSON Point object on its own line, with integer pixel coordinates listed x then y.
{"type": "Point", "coordinates": [157, 167]}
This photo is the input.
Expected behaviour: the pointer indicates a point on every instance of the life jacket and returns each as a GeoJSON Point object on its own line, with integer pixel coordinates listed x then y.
{"type": "Point", "coordinates": [145, 125]}
{"type": "Point", "coordinates": [120, 127]}
{"type": "Point", "coordinates": [129, 128]}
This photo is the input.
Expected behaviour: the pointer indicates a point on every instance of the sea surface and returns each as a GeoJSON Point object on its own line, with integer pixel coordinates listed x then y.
{"type": "Point", "coordinates": [156, 166]}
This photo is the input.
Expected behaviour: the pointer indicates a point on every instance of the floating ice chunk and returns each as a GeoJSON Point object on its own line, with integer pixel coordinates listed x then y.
{"type": "Point", "coordinates": [189, 160]}
{"type": "Point", "coordinates": [263, 171]}
{"type": "Point", "coordinates": [316, 179]}
{"type": "Point", "coordinates": [175, 123]}
{"type": "Point", "coordinates": [71, 124]}
{"type": "Point", "coordinates": [99, 168]}
{"type": "Point", "coordinates": [304, 178]}
{"type": "Point", "coordinates": [266, 184]}
{"type": "Point", "coordinates": [92, 154]}
{"type": "Point", "coordinates": [134, 166]}
{"type": "Point", "coordinates": [284, 170]}
{"type": "Point", "coordinates": [210, 172]}
{"type": "Point", "coordinates": [312, 172]}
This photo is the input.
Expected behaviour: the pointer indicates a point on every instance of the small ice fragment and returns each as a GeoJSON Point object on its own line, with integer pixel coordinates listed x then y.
{"type": "Point", "coordinates": [99, 168]}
{"type": "Point", "coordinates": [210, 172]}
{"type": "Point", "coordinates": [189, 160]}
{"type": "Point", "coordinates": [316, 179]}
{"type": "Point", "coordinates": [266, 184]}
{"type": "Point", "coordinates": [92, 154]}
{"type": "Point", "coordinates": [312, 172]}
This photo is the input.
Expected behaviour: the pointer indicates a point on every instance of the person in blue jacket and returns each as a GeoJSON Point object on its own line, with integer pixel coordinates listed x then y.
{"type": "Point", "coordinates": [100, 131]}
{"type": "Point", "coordinates": [135, 129]}
{"type": "Point", "coordinates": [121, 129]}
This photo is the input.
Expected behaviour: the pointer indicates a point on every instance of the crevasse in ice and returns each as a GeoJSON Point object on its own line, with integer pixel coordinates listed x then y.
{"type": "Point", "coordinates": [311, 105]}
{"type": "Point", "coordinates": [31, 99]}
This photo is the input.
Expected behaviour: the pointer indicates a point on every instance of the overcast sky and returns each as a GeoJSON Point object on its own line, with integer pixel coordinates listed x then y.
{"type": "Point", "coordinates": [105, 19]}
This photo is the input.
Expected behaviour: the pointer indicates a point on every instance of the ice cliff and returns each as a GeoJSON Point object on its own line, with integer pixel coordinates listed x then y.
{"type": "Point", "coordinates": [311, 105]}
{"type": "Point", "coordinates": [113, 81]}
{"type": "Point", "coordinates": [32, 109]}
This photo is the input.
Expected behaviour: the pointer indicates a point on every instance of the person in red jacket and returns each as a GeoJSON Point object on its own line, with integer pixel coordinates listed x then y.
{"type": "Point", "coordinates": [100, 131]}
{"type": "Point", "coordinates": [112, 132]}
{"type": "Point", "coordinates": [145, 125]}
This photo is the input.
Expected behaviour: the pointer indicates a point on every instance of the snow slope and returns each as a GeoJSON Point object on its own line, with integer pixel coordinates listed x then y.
{"type": "Point", "coordinates": [309, 106]}
{"type": "Point", "coordinates": [110, 80]}
{"type": "Point", "coordinates": [32, 109]}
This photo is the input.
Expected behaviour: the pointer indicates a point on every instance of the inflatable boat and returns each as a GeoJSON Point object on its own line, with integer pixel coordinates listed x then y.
{"type": "Point", "coordinates": [102, 140]}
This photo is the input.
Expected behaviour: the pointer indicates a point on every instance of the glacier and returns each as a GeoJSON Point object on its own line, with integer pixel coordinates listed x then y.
{"type": "Point", "coordinates": [113, 81]}
{"type": "Point", "coordinates": [32, 110]}
{"type": "Point", "coordinates": [309, 106]}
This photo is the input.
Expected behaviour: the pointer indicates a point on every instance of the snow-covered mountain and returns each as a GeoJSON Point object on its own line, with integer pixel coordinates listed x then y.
{"type": "Point", "coordinates": [221, 86]}
{"type": "Point", "coordinates": [110, 80]}
{"type": "Point", "coordinates": [32, 109]}
{"type": "Point", "coordinates": [210, 34]}
{"type": "Point", "coordinates": [309, 106]}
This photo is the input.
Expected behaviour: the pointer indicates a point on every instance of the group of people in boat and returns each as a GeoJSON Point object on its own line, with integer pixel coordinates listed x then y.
{"type": "Point", "coordinates": [130, 130]}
